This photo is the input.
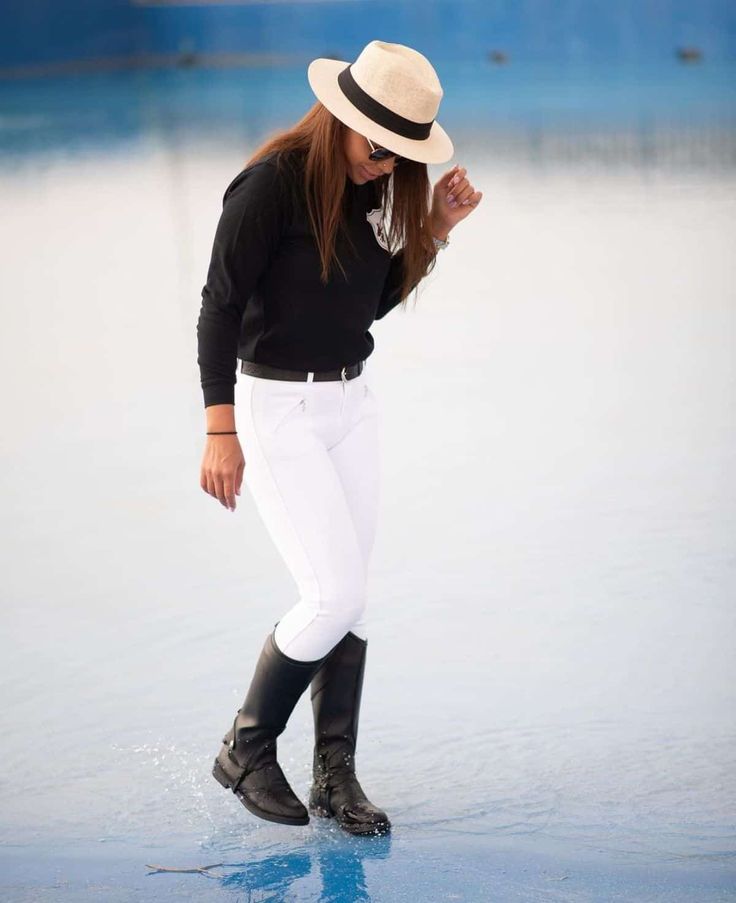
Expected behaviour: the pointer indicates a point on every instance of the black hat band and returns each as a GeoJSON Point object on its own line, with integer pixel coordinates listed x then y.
{"type": "Point", "coordinates": [377, 112]}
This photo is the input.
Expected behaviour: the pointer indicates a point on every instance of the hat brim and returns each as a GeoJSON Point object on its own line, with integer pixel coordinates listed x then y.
{"type": "Point", "coordinates": [322, 75]}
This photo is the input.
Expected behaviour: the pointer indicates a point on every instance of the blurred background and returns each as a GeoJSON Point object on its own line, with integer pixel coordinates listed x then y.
{"type": "Point", "coordinates": [548, 708]}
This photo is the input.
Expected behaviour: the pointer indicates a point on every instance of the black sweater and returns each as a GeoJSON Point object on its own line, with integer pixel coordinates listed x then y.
{"type": "Point", "coordinates": [263, 300]}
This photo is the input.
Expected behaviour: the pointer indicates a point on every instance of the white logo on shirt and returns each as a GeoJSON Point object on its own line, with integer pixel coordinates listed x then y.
{"type": "Point", "coordinates": [374, 218]}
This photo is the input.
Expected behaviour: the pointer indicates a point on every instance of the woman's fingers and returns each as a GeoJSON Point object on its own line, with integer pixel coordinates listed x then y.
{"type": "Point", "coordinates": [458, 177]}
{"type": "Point", "coordinates": [220, 490]}
{"type": "Point", "coordinates": [467, 194]}
{"type": "Point", "coordinates": [222, 484]}
{"type": "Point", "coordinates": [228, 490]}
{"type": "Point", "coordinates": [459, 191]}
{"type": "Point", "coordinates": [216, 485]}
{"type": "Point", "coordinates": [444, 181]}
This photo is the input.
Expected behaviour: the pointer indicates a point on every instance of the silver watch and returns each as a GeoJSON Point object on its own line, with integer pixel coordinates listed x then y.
{"type": "Point", "coordinates": [440, 243]}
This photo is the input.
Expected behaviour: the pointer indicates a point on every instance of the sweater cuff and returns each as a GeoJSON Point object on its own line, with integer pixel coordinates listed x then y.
{"type": "Point", "coordinates": [219, 394]}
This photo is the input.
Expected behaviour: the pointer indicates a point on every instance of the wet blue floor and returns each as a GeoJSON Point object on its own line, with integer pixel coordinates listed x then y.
{"type": "Point", "coordinates": [453, 868]}
{"type": "Point", "coordinates": [548, 707]}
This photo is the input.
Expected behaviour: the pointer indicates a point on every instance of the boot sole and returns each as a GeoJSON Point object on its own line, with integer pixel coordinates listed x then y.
{"type": "Point", "coordinates": [221, 777]}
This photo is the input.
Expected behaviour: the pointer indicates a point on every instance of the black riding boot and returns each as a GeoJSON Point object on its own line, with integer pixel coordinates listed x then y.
{"type": "Point", "coordinates": [247, 761]}
{"type": "Point", "coordinates": [336, 691]}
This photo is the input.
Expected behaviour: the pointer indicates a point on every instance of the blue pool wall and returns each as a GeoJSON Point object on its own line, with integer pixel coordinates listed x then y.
{"type": "Point", "coordinates": [34, 33]}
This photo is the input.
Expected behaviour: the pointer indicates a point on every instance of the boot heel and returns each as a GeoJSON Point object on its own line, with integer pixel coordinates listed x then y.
{"type": "Point", "coordinates": [220, 775]}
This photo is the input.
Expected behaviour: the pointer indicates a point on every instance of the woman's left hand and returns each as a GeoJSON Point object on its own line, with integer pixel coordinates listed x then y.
{"type": "Point", "coordinates": [453, 198]}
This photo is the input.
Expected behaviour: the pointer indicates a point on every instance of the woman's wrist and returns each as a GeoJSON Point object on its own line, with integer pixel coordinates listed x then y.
{"type": "Point", "coordinates": [220, 418]}
{"type": "Point", "coordinates": [440, 229]}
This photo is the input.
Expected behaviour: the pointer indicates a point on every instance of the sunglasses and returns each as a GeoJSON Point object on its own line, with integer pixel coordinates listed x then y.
{"type": "Point", "coordinates": [381, 153]}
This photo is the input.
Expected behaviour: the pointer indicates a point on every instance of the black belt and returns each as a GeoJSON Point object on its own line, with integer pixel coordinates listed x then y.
{"type": "Point", "coordinates": [269, 372]}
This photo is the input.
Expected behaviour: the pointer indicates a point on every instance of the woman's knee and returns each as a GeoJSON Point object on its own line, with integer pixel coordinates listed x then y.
{"type": "Point", "coordinates": [344, 612]}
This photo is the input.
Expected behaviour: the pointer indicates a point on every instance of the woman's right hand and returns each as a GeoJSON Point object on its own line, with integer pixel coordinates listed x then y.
{"type": "Point", "coordinates": [221, 474]}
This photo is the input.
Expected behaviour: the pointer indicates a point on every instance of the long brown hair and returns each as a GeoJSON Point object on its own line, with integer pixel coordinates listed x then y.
{"type": "Point", "coordinates": [404, 196]}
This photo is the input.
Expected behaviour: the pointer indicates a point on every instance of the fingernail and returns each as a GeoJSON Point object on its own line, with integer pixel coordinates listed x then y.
{"type": "Point", "coordinates": [450, 197]}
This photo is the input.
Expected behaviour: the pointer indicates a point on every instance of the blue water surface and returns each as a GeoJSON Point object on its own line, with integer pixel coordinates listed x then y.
{"type": "Point", "coordinates": [549, 703]}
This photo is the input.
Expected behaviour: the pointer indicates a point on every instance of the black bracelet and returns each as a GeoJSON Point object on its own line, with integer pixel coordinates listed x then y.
{"type": "Point", "coordinates": [223, 433]}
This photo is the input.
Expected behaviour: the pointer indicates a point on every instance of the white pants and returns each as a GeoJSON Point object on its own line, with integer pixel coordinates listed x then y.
{"type": "Point", "coordinates": [312, 468]}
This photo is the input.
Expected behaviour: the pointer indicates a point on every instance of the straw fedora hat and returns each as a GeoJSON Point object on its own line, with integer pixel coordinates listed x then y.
{"type": "Point", "coordinates": [390, 94]}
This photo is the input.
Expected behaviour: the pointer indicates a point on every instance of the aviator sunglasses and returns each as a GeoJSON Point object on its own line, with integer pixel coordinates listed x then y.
{"type": "Point", "coordinates": [381, 153]}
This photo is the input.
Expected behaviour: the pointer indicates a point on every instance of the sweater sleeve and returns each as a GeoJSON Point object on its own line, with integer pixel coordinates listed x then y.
{"type": "Point", "coordinates": [246, 238]}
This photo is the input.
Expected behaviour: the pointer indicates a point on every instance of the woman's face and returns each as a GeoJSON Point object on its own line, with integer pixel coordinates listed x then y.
{"type": "Point", "coordinates": [360, 168]}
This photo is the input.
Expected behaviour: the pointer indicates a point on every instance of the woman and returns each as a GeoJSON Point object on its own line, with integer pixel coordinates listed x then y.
{"type": "Point", "coordinates": [301, 266]}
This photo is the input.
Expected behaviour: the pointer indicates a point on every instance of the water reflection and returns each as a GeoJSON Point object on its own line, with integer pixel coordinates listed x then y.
{"type": "Point", "coordinates": [338, 866]}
